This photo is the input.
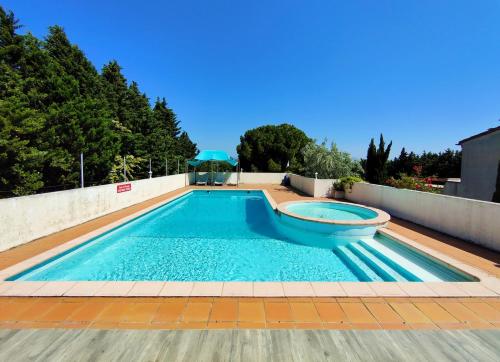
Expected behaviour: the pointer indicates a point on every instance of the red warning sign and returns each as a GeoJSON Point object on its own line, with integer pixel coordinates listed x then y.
{"type": "Point", "coordinates": [123, 188]}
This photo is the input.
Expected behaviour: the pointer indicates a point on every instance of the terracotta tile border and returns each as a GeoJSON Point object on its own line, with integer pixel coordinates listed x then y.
{"type": "Point", "coordinates": [233, 312]}
{"type": "Point", "coordinates": [486, 286]}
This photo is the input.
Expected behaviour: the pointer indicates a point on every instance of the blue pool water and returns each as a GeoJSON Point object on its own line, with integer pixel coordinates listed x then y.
{"type": "Point", "coordinates": [230, 236]}
{"type": "Point", "coordinates": [331, 211]}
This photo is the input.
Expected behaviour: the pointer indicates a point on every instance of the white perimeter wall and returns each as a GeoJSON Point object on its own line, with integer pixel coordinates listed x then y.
{"type": "Point", "coordinates": [311, 186]}
{"type": "Point", "coordinates": [473, 220]}
{"type": "Point", "coordinates": [323, 188]}
{"type": "Point", "coordinates": [26, 218]}
{"type": "Point", "coordinates": [304, 184]}
{"type": "Point", "coordinates": [245, 177]}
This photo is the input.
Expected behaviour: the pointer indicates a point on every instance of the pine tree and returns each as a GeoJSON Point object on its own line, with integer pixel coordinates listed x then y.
{"type": "Point", "coordinates": [282, 144]}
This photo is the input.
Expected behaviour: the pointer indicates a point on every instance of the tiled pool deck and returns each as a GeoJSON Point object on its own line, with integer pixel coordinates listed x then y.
{"type": "Point", "coordinates": [241, 305]}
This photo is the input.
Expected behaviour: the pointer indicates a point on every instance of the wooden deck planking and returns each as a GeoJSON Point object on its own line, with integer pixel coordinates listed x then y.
{"type": "Point", "coordinates": [248, 345]}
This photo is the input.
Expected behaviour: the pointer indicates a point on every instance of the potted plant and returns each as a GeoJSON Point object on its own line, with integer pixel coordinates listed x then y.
{"type": "Point", "coordinates": [344, 185]}
{"type": "Point", "coordinates": [338, 190]}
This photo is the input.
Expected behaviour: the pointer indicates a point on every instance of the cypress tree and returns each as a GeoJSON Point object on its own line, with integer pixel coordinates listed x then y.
{"type": "Point", "coordinates": [55, 105]}
{"type": "Point", "coordinates": [10, 41]}
{"type": "Point", "coordinates": [166, 117]}
{"type": "Point", "coordinates": [138, 118]}
{"type": "Point", "coordinates": [115, 89]}
{"type": "Point", "coordinates": [376, 161]}
{"type": "Point", "coordinates": [187, 148]}
{"type": "Point", "coordinates": [371, 158]}
{"type": "Point", "coordinates": [21, 158]}
{"type": "Point", "coordinates": [130, 109]}
{"type": "Point", "coordinates": [161, 145]}
{"type": "Point", "coordinates": [80, 121]}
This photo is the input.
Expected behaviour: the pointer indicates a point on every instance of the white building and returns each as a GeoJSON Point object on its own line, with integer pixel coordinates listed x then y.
{"type": "Point", "coordinates": [480, 159]}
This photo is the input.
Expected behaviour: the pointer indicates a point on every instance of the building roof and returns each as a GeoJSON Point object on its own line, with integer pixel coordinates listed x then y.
{"type": "Point", "coordinates": [491, 130]}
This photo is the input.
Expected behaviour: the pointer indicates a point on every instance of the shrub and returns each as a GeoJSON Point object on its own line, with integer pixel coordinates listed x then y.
{"type": "Point", "coordinates": [329, 162]}
{"type": "Point", "coordinates": [345, 183]}
{"type": "Point", "coordinates": [411, 183]}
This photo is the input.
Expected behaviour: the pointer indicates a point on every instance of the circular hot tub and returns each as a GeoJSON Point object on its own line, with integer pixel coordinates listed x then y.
{"type": "Point", "coordinates": [331, 223]}
{"type": "Point", "coordinates": [333, 211]}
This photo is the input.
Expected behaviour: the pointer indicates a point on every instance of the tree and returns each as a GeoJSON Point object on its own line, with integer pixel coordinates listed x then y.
{"type": "Point", "coordinates": [329, 163]}
{"type": "Point", "coordinates": [187, 148]}
{"type": "Point", "coordinates": [161, 142]}
{"type": "Point", "coordinates": [129, 108]}
{"type": "Point", "coordinates": [444, 164]}
{"type": "Point", "coordinates": [138, 117]}
{"type": "Point", "coordinates": [21, 159]}
{"type": "Point", "coordinates": [115, 90]}
{"type": "Point", "coordinates": [273, 149]}
{"type": "Point", "coordinates": [376, 161]}
{"type": "Point", "coordinates": [54, 105]}
{"type": "Point", "coordinates": [79, 120]}
{"type": "Point", "coordinates": [448, 164]}
{"type": "Point", "coordinates": [10, 41]}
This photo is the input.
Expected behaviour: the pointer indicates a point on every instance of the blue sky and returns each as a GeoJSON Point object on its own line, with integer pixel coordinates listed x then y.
{"type": "Point", "coordinates": [425, 73]}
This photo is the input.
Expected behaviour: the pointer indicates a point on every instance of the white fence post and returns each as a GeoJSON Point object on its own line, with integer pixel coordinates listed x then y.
{"type": "Point", "coordinates": [81, 171]}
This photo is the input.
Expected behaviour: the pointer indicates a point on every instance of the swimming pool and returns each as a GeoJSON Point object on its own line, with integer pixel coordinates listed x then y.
{"type": "Point", "coordinates": [232, 236]}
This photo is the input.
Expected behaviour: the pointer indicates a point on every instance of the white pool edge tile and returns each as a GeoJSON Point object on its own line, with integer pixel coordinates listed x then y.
{"type": "Point", "coordinates": [177, 289]}
{"type": "Point", "coordinates": [268, 289]}
{"type": "Point", "coordinates": [237, 289]}
{"type": "Point", "coordinates": [207, 289]}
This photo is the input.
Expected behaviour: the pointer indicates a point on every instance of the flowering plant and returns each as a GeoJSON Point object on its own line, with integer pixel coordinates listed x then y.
{"type": "Point", "coordinates": [412, 183]}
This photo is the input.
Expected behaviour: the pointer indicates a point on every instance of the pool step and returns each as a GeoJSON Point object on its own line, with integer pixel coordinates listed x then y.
{"type": "Point", "coordinates": [376, 264]}
{"type": "Point", "coordinates": [410, 270]}
{"type": "Point", "coordinates": [439, 269]}
{"type": "Point", "coordinates": [363, 271]}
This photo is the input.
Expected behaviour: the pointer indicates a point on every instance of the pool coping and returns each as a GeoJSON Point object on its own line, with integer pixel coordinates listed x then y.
{"type": "Point", "coordinates": [486, 286]}
{"type": "Point", "coordinates": [381, 219]}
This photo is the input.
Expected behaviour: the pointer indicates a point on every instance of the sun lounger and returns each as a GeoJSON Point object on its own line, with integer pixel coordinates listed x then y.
{"type": "Point", "coordinates": [219, 180]}
{"type": "Point", "coordinates": [202, 180]}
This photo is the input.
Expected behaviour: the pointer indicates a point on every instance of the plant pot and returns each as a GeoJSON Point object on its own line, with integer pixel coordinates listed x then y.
{"type": "Point", "coordinates": [338, 194]}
